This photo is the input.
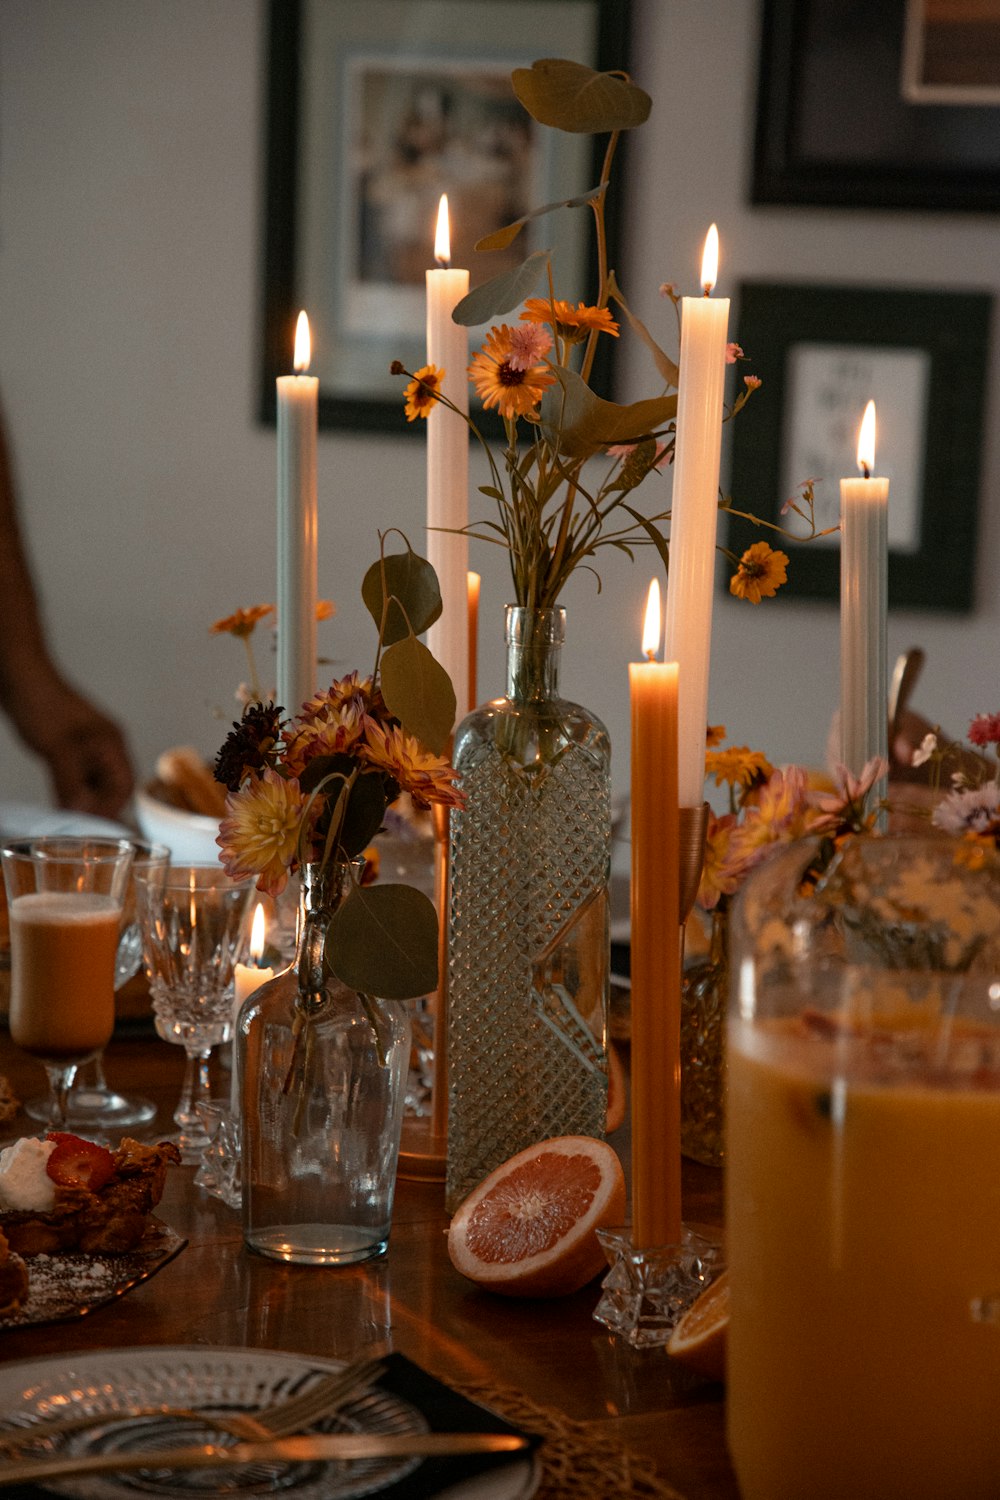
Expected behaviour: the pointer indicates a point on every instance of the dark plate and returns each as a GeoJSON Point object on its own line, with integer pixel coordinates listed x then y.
{"type": "Point", "coordinates": [64, 1287]}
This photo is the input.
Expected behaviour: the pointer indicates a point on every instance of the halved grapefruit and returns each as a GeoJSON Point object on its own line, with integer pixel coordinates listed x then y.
{"type": "Point", "coordinates": [699, 1337]}
{"type": "Point", "coordinates": [528, 1230]}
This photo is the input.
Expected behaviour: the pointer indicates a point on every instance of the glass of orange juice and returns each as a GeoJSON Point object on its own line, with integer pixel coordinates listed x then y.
{"type": "Point", "coordinates": [65, 900]}
{"type": "Point", "coordinates": [863, 1173]}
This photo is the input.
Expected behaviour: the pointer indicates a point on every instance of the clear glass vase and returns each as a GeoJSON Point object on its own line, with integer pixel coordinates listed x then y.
{"type": "Point", "coordinates": [529, 954]}
{"type": "Point", "coordinates": [704, 1002]}
{"type": "Point", "coordinates": [322, 1078]}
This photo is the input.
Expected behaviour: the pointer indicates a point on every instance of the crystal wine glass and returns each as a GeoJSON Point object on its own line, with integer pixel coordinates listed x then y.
{"type": "Point", "coordinates": [65, 898]}
{"type": "Point", "coordinates": [93, 1106]}
{"type": "Point", "coordinates": [195, 929]}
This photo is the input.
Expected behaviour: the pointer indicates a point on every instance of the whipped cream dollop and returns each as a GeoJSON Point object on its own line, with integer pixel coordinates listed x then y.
{"type": "Point", "coordinates": [24, 1182]}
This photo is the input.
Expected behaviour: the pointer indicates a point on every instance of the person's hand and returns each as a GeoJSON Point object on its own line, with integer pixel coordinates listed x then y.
{"type": "Point", "coordinates": [86, 753]}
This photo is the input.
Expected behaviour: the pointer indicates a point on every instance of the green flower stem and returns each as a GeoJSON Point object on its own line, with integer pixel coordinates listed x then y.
{"type": "Point", "coordinates": [254, 680]}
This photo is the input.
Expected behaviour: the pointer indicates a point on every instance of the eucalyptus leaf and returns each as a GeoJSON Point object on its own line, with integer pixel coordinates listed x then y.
{"type": "Point", "coordinates": [501, 293]}
{"type": "Point", "coordinates": [364, 814]}
{"type": "Point", "coordinates": [582, 424]}
{"type": "Point", "coordinates": [666, 366]}
{"type": "Point", "coordinates": [383, 940]}
{"type": "Point", "coordinates": [501, 238]}
{"type": "Point", "coordinates": [570, 96]}
{"type": "Point", "coordinates": [418, 690]}
{"type": "Point", "coordinates": [414, 595]}
{"type": "Point", "coordinates": [321, 766]}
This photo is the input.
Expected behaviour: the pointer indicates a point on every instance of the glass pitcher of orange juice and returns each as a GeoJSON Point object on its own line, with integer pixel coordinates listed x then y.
{"type": "Point", "coordinates": [863, 1173]}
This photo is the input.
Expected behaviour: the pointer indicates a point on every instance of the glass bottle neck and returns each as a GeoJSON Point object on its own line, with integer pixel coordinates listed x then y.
{"type": "Point", "coordinates": [534, 645]}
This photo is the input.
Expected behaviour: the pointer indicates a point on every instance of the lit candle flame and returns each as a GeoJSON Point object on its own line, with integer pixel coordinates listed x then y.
{"type": "Point", "coordinates": [442, 235]}
{"type": "Point", "coordinates": [651, 624]}
{"type": "Point", "coordinates": [866, 441]}
{"type": "Point", "coordinates": [303, 345]}
{"type": "Point", "coordinates": [257, 933]}
{"type": "Point", "coordinates": [710, 260]}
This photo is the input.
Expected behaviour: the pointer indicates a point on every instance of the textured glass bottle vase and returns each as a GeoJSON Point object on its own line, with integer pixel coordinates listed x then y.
{"type": "Point", "coordinates": [704, 1007]}
{"type": "Point", "coordinates": [529, 954]}
{"type": "Point", "coordinates": [322, 1078]}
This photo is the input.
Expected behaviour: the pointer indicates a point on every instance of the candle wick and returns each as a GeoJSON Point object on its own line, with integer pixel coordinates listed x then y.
{"type": "Point", "coordinates": [651, 655]}
{"type": "Point", "coordinates": [443, 263]}
{"type": "Point", "coordinates": [866, 473]}
{"type": "Point", "coordinates": [707, 292]}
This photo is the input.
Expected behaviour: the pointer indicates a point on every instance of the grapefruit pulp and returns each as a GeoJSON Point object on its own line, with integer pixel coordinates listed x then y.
{"type": "Point", "coordinates": [528, 1230]}
{"type": "Point", "coordinates": [699, 1337]}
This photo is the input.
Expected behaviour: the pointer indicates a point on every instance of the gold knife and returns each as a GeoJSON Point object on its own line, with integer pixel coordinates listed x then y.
{"type": "Point", "coordinates": [309, 1448]}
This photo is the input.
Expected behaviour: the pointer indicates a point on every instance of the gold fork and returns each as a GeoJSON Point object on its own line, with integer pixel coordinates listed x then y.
{"type": "Point", "coordinates": [282, 1419]}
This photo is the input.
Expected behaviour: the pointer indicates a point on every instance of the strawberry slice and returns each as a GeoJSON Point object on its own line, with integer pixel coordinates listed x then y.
{"type": "Point", "coordinates": [79, 1163]}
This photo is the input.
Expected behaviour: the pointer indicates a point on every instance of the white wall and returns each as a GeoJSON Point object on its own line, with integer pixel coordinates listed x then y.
{"type": "Point", "coordinates": [130, 223]}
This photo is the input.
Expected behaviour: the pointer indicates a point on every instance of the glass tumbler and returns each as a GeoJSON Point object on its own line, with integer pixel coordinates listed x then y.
{"type": "Point", "coordinates": [862, 1182]}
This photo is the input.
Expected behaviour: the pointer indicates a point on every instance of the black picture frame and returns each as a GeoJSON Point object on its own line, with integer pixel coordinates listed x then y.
{"type": "Point", "coordinates": [835, 125]}
{"type": "Point", "coordinates": [942, 338]}
{"type": "Point", "coordinates": [379, 408]}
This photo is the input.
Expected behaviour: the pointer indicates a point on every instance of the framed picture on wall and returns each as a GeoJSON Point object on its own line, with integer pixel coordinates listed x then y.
{"type": "Point", "coordinates": [822, 352]}
{"type": "Point", "coordinates": [887, 105]}
{"type": "Point", "coordinates": [374, 111]}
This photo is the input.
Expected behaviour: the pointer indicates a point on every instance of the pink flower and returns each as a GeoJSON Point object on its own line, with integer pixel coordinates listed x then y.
{"type": "Point", "coordinates": [733, 353]}
{"type": "Point", "coordinates": [985, 729]}
{"type": "Point", "coordinates": [668, 289]}
{"type": "Point", "coordinates": [848, 802]}
{"type": "Point", "coordinates": [664, 454]}
{"type": "Point", "coordinates": [752, 382]}
{"type": "Point", "coordinates": [802, 493]}
{"type": "Point", "coordinates": [528, 343]}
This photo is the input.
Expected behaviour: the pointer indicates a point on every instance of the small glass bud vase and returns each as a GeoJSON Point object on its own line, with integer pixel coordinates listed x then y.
{"type": "Point", "coordinates": [322, 1083]}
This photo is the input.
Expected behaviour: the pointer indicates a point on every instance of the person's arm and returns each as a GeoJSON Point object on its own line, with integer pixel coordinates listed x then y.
{"type": "Point", "coordinates": [85, 751]}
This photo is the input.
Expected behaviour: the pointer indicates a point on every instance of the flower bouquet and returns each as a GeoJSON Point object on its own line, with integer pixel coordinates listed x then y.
{"type": "Point", "coordinates": [312, 790]}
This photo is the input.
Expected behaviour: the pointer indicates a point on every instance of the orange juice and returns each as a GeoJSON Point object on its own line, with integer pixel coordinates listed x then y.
{"type": "Point", "coordinates": [863, 1227]}
{"type": "Point", "coordinates": [62, 998]}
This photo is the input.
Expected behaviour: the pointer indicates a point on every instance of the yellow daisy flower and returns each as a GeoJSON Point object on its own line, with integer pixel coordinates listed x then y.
{"type": "Point", "coordinates": [760, 573]}
{"type": "Point", "coordinates": [714, 735]}
{"type": "Point", "coordinates": [241, 622]}
{"type": "Point", "coordinates": [421, 393]}
{"type": "Point", "coordinates": [260, 833]}
{"type": "Point", "coordinates": [737, 766]}
{"type": "Point", "coordinates": [570, 323]}
{"type": "Point", "coordinates": [514, 392]}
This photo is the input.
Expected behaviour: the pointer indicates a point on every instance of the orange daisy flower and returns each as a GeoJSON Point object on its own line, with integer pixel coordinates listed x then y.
{"type": "Point", "coordinates": [514, 392]}
{"type": "Point", "coordinates": [242, 621]}
{"type": "Point", "coordinates": [760, 573]}
{"type": "Point", "coordinates": [570, 323]}
{"type": "Point", "coordinates": [325, 609]}
{"type": "Point", "coordinates": [421, 393]}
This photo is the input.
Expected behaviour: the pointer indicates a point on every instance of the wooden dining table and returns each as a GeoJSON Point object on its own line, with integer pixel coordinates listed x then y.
{"type": "Point", "coordinates": [216, 1292]}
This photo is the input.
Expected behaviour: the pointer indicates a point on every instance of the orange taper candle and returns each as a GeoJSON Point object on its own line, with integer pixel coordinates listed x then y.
{"type": "Point", "coordinates": [656, 949]}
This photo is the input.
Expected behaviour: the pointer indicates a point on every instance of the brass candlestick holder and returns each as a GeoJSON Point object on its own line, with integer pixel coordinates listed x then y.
{"type": "Point", "coordinates": [646, 1290]}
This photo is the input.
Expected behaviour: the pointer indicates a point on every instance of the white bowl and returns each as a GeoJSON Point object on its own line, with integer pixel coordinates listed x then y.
{"type": "Point", "coordinates": [189, 836]}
